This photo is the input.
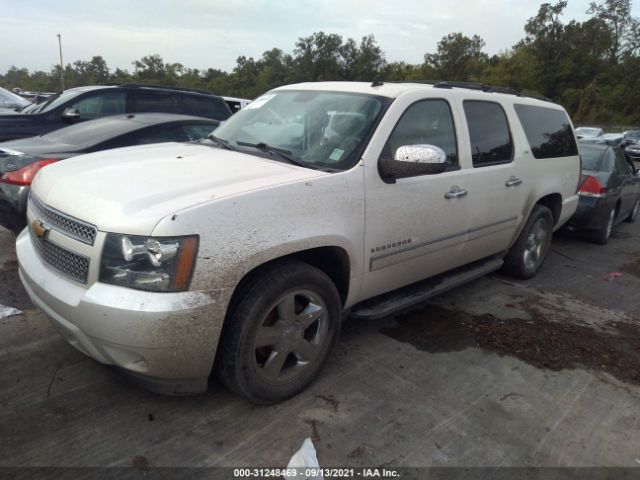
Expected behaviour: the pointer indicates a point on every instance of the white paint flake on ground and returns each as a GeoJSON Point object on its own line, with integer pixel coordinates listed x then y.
{"type": "Point", "coordinates": [8, 311]}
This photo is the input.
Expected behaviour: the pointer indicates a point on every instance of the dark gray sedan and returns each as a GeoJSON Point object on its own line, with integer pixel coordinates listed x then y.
{"type": "Point", "coordinates": [609, 192]}
{"type": "Point", "coordinates": [21, 159]}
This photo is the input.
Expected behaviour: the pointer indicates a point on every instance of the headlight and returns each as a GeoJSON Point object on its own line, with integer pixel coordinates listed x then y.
{"type": "Point", "coordinates": [158, 264]}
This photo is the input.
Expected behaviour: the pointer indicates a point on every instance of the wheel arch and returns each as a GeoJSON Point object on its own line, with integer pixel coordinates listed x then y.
{"type": "Point", "coordinates": [333, 260]}
{"type": "Point", "coordinates": [553, 202]}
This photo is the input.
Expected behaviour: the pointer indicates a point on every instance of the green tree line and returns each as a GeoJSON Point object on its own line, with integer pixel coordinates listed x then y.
{"type": "Point", "coordinates": [591, 67]}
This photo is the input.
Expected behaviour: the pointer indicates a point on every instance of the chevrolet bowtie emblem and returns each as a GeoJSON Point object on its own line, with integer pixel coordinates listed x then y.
{"type": "Point", "coordinates": [39, 229]}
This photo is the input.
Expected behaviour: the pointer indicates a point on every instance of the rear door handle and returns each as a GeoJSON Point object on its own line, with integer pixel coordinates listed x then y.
{"type": "Point", "coordinates": [455, 192]}
{"type": "Point", "coordinates": [513, 182]}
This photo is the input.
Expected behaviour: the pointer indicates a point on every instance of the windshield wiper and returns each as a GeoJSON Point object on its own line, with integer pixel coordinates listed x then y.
{"type": "Point", "coordinates": [281, 152]}
{"type": "Point", "coordinates": [220, 142]}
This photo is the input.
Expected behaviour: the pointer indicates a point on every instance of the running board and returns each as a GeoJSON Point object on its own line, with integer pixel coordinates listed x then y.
{"type": "Point", "coordinates": [417, 293]}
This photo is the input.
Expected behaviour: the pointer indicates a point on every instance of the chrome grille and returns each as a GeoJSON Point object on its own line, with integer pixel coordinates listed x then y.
{"type": "Point", "coordinates": [71, 264]}
{"type": "Point", "coordinates": [81, 231]}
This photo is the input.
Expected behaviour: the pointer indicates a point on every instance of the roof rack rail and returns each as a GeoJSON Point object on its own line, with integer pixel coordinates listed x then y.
{"type": "Point", "coordinates": [483, 87]}
{"type": "Point", "coordinates": [164, 87]}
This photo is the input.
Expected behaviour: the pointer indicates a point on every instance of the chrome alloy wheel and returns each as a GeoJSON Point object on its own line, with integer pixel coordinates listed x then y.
{"type": "Point", "coordinates": [636, 207]}
{"type": "Point", "coordinates": [537, 243]}
{"type": "Point", "coordinates": [610, 222]}
{"type": "Point", "coordinates": [291, 337]}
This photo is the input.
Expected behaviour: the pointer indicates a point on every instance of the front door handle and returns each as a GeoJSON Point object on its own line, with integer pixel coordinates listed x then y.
{"type": "Point", "coordinates": [513, 182]}
{"type": "Point", "coordinates": [455, 192]}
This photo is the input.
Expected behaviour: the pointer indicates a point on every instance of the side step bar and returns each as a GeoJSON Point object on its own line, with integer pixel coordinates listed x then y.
{"type": "Point", "coordinates": [417, 293]}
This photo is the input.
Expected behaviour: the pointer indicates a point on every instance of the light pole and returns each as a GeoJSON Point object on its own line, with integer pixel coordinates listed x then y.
{"type": "Point", "coordinates": [61, 64]}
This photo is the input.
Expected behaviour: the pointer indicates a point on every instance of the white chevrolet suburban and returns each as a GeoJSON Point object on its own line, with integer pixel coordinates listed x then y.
{"type": "Point", "coordinates": [241, 254]}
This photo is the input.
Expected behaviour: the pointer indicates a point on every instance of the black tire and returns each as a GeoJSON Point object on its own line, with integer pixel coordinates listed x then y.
{"type": "Point", "coordinates": [284, 297]}
{"type": "Point", "coordinates": [634, 213]}
{"type": "Point", "coordinates": [531, 248]}
{"type": "Point", "coordinates": [601, 236]}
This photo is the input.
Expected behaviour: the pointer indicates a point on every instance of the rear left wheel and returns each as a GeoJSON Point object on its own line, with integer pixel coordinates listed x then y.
{"type": "Point", "coordinates": [602, 235]}
{"type": "Point", "coordinates": [531, 248]}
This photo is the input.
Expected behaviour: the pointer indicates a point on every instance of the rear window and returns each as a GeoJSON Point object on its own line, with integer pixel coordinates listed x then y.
{"type": "Point", "coordinates": [548, 131]}
{"type": "Point", "coordinates": [209, 107]}
{"type": "Point", "coordinates": [592, 159]}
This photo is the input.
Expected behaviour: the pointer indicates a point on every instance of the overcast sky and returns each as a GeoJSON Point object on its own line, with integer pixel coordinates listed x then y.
{"type": "Point", "coordinates": [213, 33]}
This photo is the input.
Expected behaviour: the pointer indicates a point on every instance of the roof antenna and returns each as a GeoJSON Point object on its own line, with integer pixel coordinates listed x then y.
{"type": "Point", "coordinates": [377, 82]}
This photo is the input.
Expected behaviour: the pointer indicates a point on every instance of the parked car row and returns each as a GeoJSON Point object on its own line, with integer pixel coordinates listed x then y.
{"type": "Point", "coordinates": [241, 253]}
{"type": "Point", "coordinates": [21, 159]}
{"type": "Point", "coordinates": [596, 135]}
{"type": "Point", "coordinates": [88, 103]}
{"type": "Point", "coordinates": [609, 191]}
{"type": "Point", "coordinates": [90, 119]}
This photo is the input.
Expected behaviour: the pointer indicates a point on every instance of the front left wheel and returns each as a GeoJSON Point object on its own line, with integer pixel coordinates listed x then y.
{"type": "Point", "coordinates": [279, 332]}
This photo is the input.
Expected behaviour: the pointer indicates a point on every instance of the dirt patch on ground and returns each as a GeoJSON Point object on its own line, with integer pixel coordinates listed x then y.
{"type": "Point", "coordinates": [552, 341]}
{"type": "Point", "coordinates": [632, 267]}
{"type": "Point", "coordinates": [12, 294]}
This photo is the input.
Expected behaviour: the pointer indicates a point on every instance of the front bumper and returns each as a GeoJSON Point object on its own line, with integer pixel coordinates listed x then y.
{"type": "Point", "coordinates": [166, 340]}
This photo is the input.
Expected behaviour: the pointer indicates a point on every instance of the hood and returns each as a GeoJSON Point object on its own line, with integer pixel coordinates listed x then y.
{"type": "Point", "coordinates": [129, 190]}
{"type": "Point", "coordinates": [39, 147]}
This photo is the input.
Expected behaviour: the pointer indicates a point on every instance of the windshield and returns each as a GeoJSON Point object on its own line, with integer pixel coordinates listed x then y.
{"type": "Point", "coordinates": [56, 100]}
{"type": "Point", "coordinates": [11, 100]}
{"type": "Point", "coordinates": [30, 108]}
{"type": "Point", "coordinates": [324, 130]}
{"type": "Point", "coordinates": [593, 159]}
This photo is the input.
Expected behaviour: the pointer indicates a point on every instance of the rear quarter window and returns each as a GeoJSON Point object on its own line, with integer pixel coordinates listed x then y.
{"type": "Point", "coordinates": [156, 102]}
{"type": "Point", "coordinates": [208, 107]}
{"type": "Point", "coordinates": [548, 131]}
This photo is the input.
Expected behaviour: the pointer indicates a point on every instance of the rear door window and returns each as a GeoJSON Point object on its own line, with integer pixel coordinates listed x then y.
{"type": "Point", "coordinates": [156, 102]}
{"type": "Point", "coordinates": [489, 132]}
{"type": "Point", "coordinates": [548, 131]}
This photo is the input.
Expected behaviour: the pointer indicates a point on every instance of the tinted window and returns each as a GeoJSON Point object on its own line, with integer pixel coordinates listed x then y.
{"type": "Point", "coordinates": [428, 122]}
{"type": "Point", "coordinates": [592, 159]}
{"type": "Point", "coordinates": [548, 131]}
{"type": "Point", "coordinates": [197, 131]}
{"type": "Point", "coordinates": [156, 102]}
{"type": "Point", "coordinates": [173, 133]}
{"type": "Point", "coordinates": [101, 105]}
{"type": "Point", "coordinates": [144, 136]}
{"type": "Point", "coordinates": [621, 164]}
{"type": "Point", "coordinates": [489, 133]}
{"type": "Point", "coordinates": [86, 133]}
{"type": "Point", "coordinates": [201, 106]}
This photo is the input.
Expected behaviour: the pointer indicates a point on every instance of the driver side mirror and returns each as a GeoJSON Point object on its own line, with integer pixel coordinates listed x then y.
{"type": "Point", "coordinates": [71, 114]}
{"type": "Point", "coordinates": [413, 160]}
